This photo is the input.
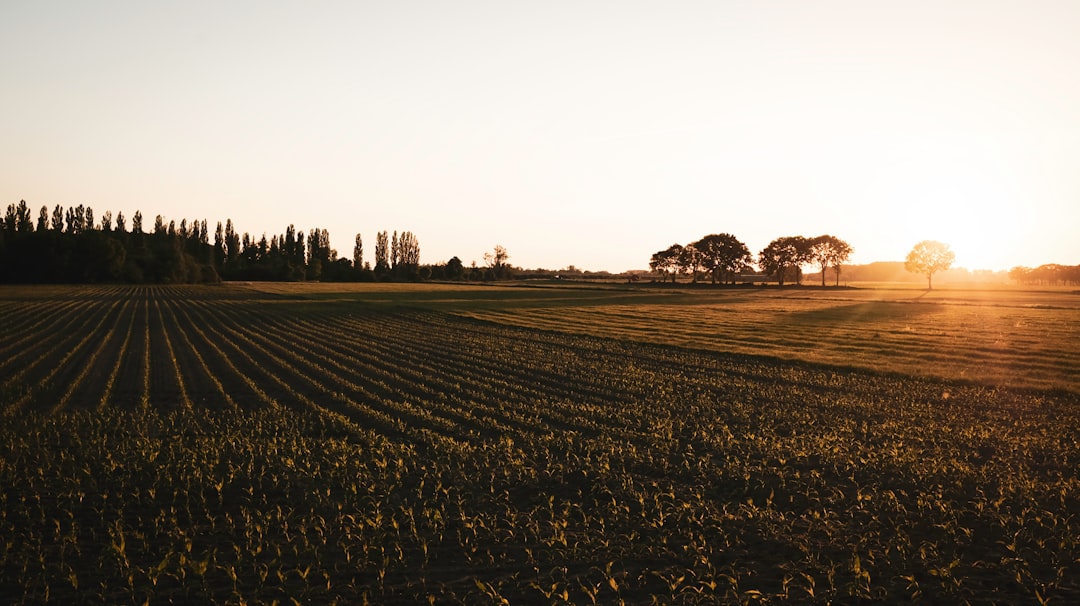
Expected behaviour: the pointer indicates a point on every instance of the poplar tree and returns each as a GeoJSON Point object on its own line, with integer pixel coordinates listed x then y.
{"type": "Point", "coordinates": [382, 245]}
{"type": "Point", "coordinates": [58, 218]}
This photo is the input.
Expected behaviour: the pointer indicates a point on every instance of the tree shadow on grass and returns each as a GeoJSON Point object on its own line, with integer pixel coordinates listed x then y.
{"type": "Point", "coordinates": [871, 311]}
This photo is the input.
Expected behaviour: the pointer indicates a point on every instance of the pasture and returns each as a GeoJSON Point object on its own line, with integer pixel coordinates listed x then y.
{"type": "Point", "coordinates": [487, 444]}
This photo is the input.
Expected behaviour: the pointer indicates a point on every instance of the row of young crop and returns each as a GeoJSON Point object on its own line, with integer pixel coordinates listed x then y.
{"type": "Point", "coordinates": [370, 374]}
{"type": "Point", "coordinates": [92, 352]}
{"type": "Point", "coordinates": [287, 449]}
{"type": "Point", "coordinates": [59, 351]}
{"type": "Point", "coordinates": [398, 372]}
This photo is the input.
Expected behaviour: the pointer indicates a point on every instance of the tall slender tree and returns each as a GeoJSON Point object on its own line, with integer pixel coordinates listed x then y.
{"type": "Point", "coordinates": [11, 219]}
{"type": "Point", "coordinates": [58, 218]}
{"type": "Point", "coordinates": [232, 243]}
{"type": "Point", "coordinates": [72, 223]}
{"type": "Point", "coordinates": [382, 252]}
{"type": "Point", "coordinates": [408, 250]}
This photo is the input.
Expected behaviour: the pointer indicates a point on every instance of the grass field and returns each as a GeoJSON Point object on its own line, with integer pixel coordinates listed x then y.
{"type": "Point", "coordinates": [482, 444]}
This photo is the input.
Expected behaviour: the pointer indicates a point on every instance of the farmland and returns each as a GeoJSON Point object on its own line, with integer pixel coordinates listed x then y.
{"type": "Point", "coordinates": [467, 444]}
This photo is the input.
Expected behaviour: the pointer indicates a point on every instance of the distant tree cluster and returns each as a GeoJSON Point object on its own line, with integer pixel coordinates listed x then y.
{"type": "Point", "coordinates": [73, 245]}
{"type": "Point", "coordinates": [724, 258]}
{"type": "Point", "coordinates": [1050, 274]}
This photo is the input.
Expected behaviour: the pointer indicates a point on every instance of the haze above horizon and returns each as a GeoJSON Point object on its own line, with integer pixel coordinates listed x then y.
{"type": "Point", "coordinates": [586, 134]}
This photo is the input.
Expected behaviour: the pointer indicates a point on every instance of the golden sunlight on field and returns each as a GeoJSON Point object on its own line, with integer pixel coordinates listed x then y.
{"type": "Point", "coordinates": [1009, 338]}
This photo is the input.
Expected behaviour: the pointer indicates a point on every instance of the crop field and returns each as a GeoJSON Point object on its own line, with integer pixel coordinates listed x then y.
{"type": "Point", "coordinates": [401, 444]}
{"type": "Point", "coordinates": [1017, 338]}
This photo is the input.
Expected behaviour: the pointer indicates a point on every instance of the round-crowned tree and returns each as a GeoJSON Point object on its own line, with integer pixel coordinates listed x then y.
{"type": "Point", "coordinates": [928, 258]}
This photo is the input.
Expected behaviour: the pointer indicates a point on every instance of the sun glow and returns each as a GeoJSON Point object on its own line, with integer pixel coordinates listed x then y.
{"type": "Point", "coordinates": [977, 217]}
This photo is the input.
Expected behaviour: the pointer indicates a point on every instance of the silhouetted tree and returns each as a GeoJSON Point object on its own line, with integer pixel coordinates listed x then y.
{"type": "Point", "coordinates": [175, 251]}
{"type": "Point", "coordinates": [80, 219]}
{"type": "Point", "coordinates": [690, 261]}
{"type": "Point", "coordinates": [408, 252]}
{"type": "Point", "coordinates": [24, 221]}
{"type": "Point", "coordinates": [232, 243]}
{"type": "Point", "coordinates": [11, 219]}
{"type": "Point", "coordinates": [455, 269]}
{"type": "Point", "coordinates": [782, 254]}
{"type": "Point", "coordinates": [72, 224]}
{"type": "Point", "coordinates": [929, 257]}
{"type": "Point", "coordinates": [319, 253]}
{"type": "Point", "coordinates": [358, 252]}
{"type": "Point", "coordinates": [666, 261]}
{"type": "Point", "coordinates": [724, 256]}
{"type": "Point", "coordinates": [289, 247]}
{"type": "Point", "coordinates": [496, 262]}
{"type": "Point", "coordinates": [297, 253]}
{"type": "Point", "coordinates": [58, 218]}
{"type": "Point", "coordinates": [829, 251]}
{"type": "Point", "coordinates": [382, 253]}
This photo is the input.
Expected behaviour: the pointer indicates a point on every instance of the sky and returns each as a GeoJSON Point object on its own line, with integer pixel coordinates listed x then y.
{"type": "Point", "coordinates": [570, 132]}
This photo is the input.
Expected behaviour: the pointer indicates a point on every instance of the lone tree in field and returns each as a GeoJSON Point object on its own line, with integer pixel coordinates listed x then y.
{"type": "Point", "coordinates": [829, 251]}
{"type": "Point", "coordinates": [929, 257]}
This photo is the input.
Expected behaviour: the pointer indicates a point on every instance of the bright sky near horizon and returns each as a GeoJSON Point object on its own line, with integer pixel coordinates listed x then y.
{"type": "Point", "coordinates": [570, 132]}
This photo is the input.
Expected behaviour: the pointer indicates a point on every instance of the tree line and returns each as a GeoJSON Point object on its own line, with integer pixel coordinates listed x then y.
{"type": "Point", "coordinates": [73, 244]}
{"type": "Point", "coordinates": [724, 258]}
{"type": "Point", "coordinates": [1049, 274]}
